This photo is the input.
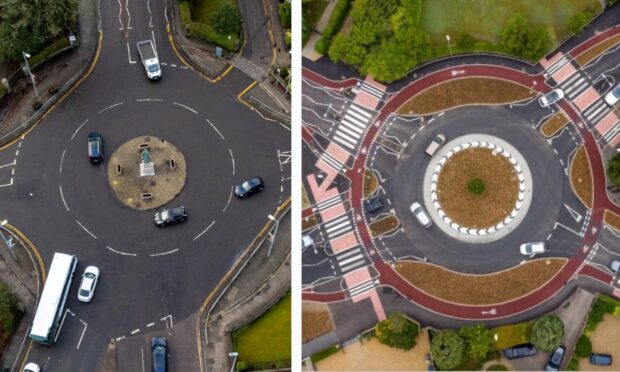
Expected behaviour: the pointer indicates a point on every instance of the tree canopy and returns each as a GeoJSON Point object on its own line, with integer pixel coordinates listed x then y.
{"type": "Point", "coordinates": [478, 340]}
{"type": "Point", "coordinates": [613, 170]}
{"type": "Point", "coordinates": [226, 19]}
{"type": "Point", "coordinates": [397, 331]}
{"type": "Point", "coordinates": [547, 332]}
{"type": "Point", "coordinates": [448, 349]}
{"type": "Point", "coordinates": [520, 38]}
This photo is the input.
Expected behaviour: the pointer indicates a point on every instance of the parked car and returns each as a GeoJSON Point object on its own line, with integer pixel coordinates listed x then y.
{"type": "Point", "coordinates": [420, 214]}
{"type": "Point", "coordinates": [601, 359]}
{"type": "Point", "coordinates": [556, 359]}
{"type": "Point", "coordinates": [32, 367]}
{"type": "Point", "coordinates": [551, 97]}
{"type": "Point", "coordinates": [615, 266]}
{"type": "Point", "coordinates": [373, 205]}
{"type": "Point", "coordinates": [532, 249]}
{"type": "Point", "coordinates": [95, 147]}
{"type": "Point", "coordinates": [249, 187]}
{"type": "Point", "coordinates": [435, 144]}
{"type": "Point", "coordinates": [88, 284]}
{"type": "Point", "coordinates": [613, 96]}
{"type": "Point", "coordinates": [519, 351]}
{"type": "Point", "coordinates": [169, 216]}
{"type": "Point", "coordinates": [159, 348]}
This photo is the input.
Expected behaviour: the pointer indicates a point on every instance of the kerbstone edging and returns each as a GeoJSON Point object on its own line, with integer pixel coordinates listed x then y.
{"type": "Point", "coordinates": [479, 236]}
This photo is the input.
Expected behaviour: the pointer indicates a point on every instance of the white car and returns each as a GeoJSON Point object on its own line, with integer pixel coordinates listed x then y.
{"type": "Point", "coordinates": [613, 96]}
{"type": "Point", "coordinates": [435, 144]}
{"type": "Point", "coordinates": [420, 214]}
{"type": "Point", "coordinates": [32, 367]}
{"type": "Point", "coordinates": [551, 97]}
{"type": "Point", "coordinates": [532, 249]}
{"type": "Point", "coordinates": [615, 266]}
{"type": "Point", "coordinates": [88, 284]}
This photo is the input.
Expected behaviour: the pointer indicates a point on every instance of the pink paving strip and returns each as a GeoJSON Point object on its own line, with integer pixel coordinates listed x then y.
{"type": "Point", "coordinates": [367, 100]}
{"type": "Point", "coordinates": [357, 277]}
{"type": "Point", "coordinates": [338, 152]}
{"type": "Point", "coordinates": [322, 165]}
{"type": "Point", "coordinates": [615, 141]}
{"type": "Point", "coordinates": [333, 212]}
{"type": "Point", "coordinates": [564, 73]}
{"type": "Point", "coordinates": [616, 292]}
{"type": "Point", "coordinates": [586, 98]}
{"type": "Point", "coordinates": [548, 62]}
{"type": "Point", "coordinates": [317, 192]}
{"type": "Point", "coordinates": [376, 304]}
{"type": "Point", "coordinates": [370, 81]}
{"type": "Point", "coordinates": [606, 123]}
{"type": "Point", "coordinates": [344, 242]}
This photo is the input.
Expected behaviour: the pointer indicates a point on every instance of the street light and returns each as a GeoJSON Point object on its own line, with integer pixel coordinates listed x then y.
{"type": "Point", "coordinates": [449, 46]}
{"type": "Point", "coordinates": [233, 355]}
{"type": "Point", "coordinates": [273, 233]}
{"type": "Point", "coordinates": [26, 56]}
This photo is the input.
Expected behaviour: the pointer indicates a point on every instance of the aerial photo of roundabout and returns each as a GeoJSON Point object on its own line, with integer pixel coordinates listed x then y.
{"type": "Point", "coordinates": [455, 195]}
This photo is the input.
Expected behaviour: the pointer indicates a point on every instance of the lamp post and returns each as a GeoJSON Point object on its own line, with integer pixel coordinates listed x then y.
{"type": "Point", "coordinates": [8, 242]}
{"type": "Point", "coordinates": [449, 46]}
{"type": "Point", "coordinates": [233, 355]}
{"type": "Point", "coordinates": [273, 232]}
{"type": "Point", "coordinates": [26, 56]}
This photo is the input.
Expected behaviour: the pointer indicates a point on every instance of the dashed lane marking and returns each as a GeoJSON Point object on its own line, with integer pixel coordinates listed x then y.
{"type": "Point", "coordinates": [122, 253]}
{"type": "Point", "coordinates": [78, 129]}
{"type": "Point", "coordinates": [83, 332]}
{"type": "Point", "coordinates": [62, 158]}
{"type": "Point", "coordinates": [63, 198]}
{"type": "Point", "coordinates": [229, 198]}
{"type": "Point", "coordinates": [85, 229]}
{"type": "Point", "coordinates": [204, 231]}
{"type": "Point", "coordinates": [110, 107]}
{"type": "Point", "coordinates": [185, 107]}
{"type": "Point", "coordinates": [215, 128]}
{"type": "Point", "coordinates": [233, 161]}
{"type": "Point", "coordinates": [135, 331]}
{"type": "Point", "coordinates": [164, 253]}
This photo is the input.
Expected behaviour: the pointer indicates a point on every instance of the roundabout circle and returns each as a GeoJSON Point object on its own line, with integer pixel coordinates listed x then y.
{"type": "Point", "coordinates": [453, 220]}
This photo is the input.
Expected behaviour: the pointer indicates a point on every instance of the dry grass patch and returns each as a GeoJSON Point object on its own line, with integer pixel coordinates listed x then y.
{"type": "Point", "coordinates": [580, 176]}
{"type": "Point", "coordinates": [605, 340]}
{"type": "Point", "coordinates": [308, 223]}
{"type": "Point", "coordinates": [501, 188]}
{"type": "Point", "coordinates": [554, 124]}
{"type": "Point", "coordinates": [467, 91]}
{"type": "Point", "coordinates": [590, 54]}
{"type": "Point", "coordinates": [480, 289]}
{"type": "Point", "coordinates": [384, 225]}
{"type": "Point", "coordinates": [371, 183]}
{"type": "Point", "coordinates": [612, 219]}
{"type": "Point", "coordinates": [316, 321]}
{"type": "Point", "coordinates": [305, 202]}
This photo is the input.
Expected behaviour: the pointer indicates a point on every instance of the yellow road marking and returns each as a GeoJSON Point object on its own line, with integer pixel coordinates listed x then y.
{"type": "Point", "coordinates": [244, 92]}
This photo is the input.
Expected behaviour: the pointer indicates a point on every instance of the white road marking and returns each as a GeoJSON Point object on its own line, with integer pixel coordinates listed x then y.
{"type": "Point", "coordinates": [70, 312]}
{"type": "Point", "coordinates": [120, 12]}
{"type": "Point", "coordinates": [142, 352]}
{"type": "Point", "coordinates": [63, 198]}
{"type": "Point", "coordinates": [109, 107]}
{"type": "Point", "coordinates": [119, 252]}
{"type": "Point", "coordinates": [573, 213]}
{"type": "Point", "coordinates": [185, 107]}
{"type": "Point", "coordinates": [17, 153]}
{"type": "Point", "coordinates": [173, 65]}
{"type": "Point", "coordinates": [165, 319]}
{"type": "Point", "coordinates": [229, 198]}
{"type": "Point", "coordinates": [7, 165]}
{"type": "Point", "coordinates": [78, 129]}
{"type": "Point", "coordinates": [215, 129]}
{"type": "Point", "coordinates": [166, 11]}
{"type": "Point", "coordinates": [61, 323]}
{"type": "Point", "coordinates": [131, 61]}
{"type": "Point", "coordinates": [233, 161]}
{"type": "Point", "coordinates": [150, 325]}
{"type": "Point", "coordinates": [154, 44]}
{"type": "Point", "coordinates": [82, 336]}
{"type": "Point", "coordinates": [119, 338]}
{"type": "Point", "coordinates": [164, 253]}
{"type": "Point", "coordinates": [567, 228]}
{"type": "Point", "coordinates": [62, 158]}
{"type": "Point", "coordinates": [149, 100]}
{"type": "Point", "coordinates": [204, 231]}
{"type": "Point", "coordinates": [135, 331]}
{"type": "Point", "coordinates": [148, 6]}
{"type": "Point", "coordinates": [163, 63]}
{"type": "Point", "coordinates": [128, 15]}
{"type": "Point", "coordinates": [85, 229]}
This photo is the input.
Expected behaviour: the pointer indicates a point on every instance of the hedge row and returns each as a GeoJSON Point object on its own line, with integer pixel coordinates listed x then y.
{"type": "Point", "coordinates": [341, 9]}
{"type": "Point", "coordinates": [204, 31]}
{"type": "Point", "coordinates": [52, 49]}
{"type": "Point", "coordinates": [324, 353]}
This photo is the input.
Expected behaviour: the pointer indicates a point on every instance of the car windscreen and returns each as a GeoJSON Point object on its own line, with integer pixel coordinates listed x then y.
{"type": "Point", "coordinates": [153, 68]}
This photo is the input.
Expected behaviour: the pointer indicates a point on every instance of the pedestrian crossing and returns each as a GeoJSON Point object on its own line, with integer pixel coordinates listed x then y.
{"type": "Point", "coordinates": [575, 85]}
{"type": "Point", "coordinates": [557, 66]}
{"type": "Point", "coordinates": [596, 111]}
{"type": "Point", "coordinates": [338, 226]}
{"type": "Point", "coordinates": [373, 91]}
{"type": "Point", "coordinates": [328, 203]}
{"type": "Point", "coordinates": [362, 287]}
{"type": "Point", "coordinates": [612, 133]}
{"type": "Point", "coordinates": [352, 126]}
{"type": "Point", "coordinates": [350, 260]}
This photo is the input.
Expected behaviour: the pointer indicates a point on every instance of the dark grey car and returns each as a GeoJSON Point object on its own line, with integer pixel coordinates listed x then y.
{"type": "Point", "coordinates": [249, 187]}
{"type": "Point", "coordinates": [169, 216]}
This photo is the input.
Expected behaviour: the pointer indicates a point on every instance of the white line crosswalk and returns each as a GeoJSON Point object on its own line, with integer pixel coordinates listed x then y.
{"type": "Point", "coordinates": [352, 126]}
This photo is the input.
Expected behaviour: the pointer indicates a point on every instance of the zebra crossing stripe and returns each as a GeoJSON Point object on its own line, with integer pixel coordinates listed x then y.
{"type": "Point", "coordinates": [361, 111]}
{"type": "Point", "coordinates": [348, 253]}
{"type": "Point", "coordinates": [350, 127]}
{"type": "Point", "coordinates": [363, 118]}
{"type": "Point", "coordinates": [329, 202]}
{"type": "Point", "coordinates": [331, 161]}
{"type": "Point", "coordinates": [344, 140]}
{"type": "Point", "coordinates": [351, 259]}
{"type": "Point", "coordinates": [612, 133]}
{"type": "Point", "coordinates": [354, 122]}
{"type": "Point", "coordinates": [352, 266]}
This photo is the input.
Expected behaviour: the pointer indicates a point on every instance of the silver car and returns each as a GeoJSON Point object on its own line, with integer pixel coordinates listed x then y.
{"type": "Point", "coordinates": [421, 215]}
{"type": "Point", "coordinates": [435, 144]}
{"type": "Point", "coordinates": [532, 249]}
{"type": "Point", "coordinates": [551, 97]}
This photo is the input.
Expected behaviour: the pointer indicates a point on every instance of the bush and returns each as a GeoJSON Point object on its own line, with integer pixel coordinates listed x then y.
{"type": "Point", "coordinates": [324, 353]}
{"type": "Point", "coordinates": [447, 349]}
{"type": "Point", "coordinates": [9, 309]}
{"type": "Point", "coordinates": [397, 331]}
{"type": "Point", "coordinates": [584, 347]}
{"type": "Point", "coordinates": [547, 332]}
{"type": "Point", "coordinates": [465, 41]}
{"type": "Point", "coordinates": [613, 170]}
{"type": "Point", "coordinates": [284, 10]}
{"type": "Point", "coordinates": [241, 366]}
{"type": "Point", "coordinates": [321, 46]}
{"type": "Point", "coordinates": [186, 13]}
{"type": "Point", "coordinates": [341, 9]}
{"type": "Point", "coordinates": [512, 334]}
{"type": "Point", "coordinates": [573, 365]}
{"type": "Point", "coordinates": [476, 186]}
{"type": "Point", "coordinates": [519, 38]}
{"type": "Point", "coordinates": [478, 341]}
{"type": "Point", "coordinates": [206, 32]}
{"type": "Point", "coordinates": [226, 19]}
{"type": "Point", "coordinates": [601, 306]}
{"type": "Point", "coordinates": [577, 22]}
{"type": "Point", "coordinates": [611, 2]}
{"type": "Point", "coordinates": [48, 52]}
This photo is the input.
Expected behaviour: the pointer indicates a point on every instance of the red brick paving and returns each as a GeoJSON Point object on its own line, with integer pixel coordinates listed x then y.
{"type": "Point", "coordinates": [606, 123]}
{"type": "Point", "coordinates": [344, 242]}
{"type": "Point", "coordinates": [585, 99]}
{"type": "Point", "coordinates": [564, 73]}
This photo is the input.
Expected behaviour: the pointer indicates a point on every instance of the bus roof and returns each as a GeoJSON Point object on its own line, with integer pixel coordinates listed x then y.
{"type": "Point", "coordinates": [59, 272]}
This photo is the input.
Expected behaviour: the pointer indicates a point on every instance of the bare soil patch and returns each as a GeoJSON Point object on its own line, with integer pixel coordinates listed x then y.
{"type": "Point", "coordinates": [316, 321]}
{"type": "Point", "coordinates": [384, 225]}
{"type": "Point", "coordinates": [467, 91]}
{"type": "Point", "coordinates": [580, 176]}
{"type": "Point", "coordinates": [590, 54]}
{"type": "Point", "coordinates": [480, 289]}
{"type": "Point", "coordinates": [371, 183]}
{"type": "Point", "coordinates": [605, 340]}
{"type": "Point", "coordinates": [308, 223]}
{"type": "Point", "coordinates": [612, 219]}
{"type": "Point", "coordinates": [500, 192]}
{"type": "Point", "coordinates": [554, 124]}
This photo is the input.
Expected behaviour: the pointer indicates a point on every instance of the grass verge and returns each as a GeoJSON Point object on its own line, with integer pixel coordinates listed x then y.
{"type": "Point", "coordinates": [467, 91]}
{"type": "Point", "coordinates": [512, 334]}
{"type": "Point", "coordinates": [316, 321]}
{"type": "Point", "coordinates": [316, 357]}
{"type": "Point", "coordinates": [554, 124]}
{"type": "Point", "coordinates": [590, 54]}
{"type": "Point", "coordinates": [480, 289]}
{"type": "Point", "coordinates": [580, 176]}
{"type": "Point", "coordinates": [197, 23]}
{"type": "Point", "coordinates": [313, 10]}
{"type": "Point", "coordinates": [371, 183]}
{"type": "Point", "coordinates": [336, 19]}
{"type": "Point", "coordinates": [384, 225]}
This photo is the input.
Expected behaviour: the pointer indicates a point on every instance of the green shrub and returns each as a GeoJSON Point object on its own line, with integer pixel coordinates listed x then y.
{"type": "Point", "coordinates": [306, 32]}
{"type": "Point", "coordinates": [226, 19]}
{"type": "Point", "coordinates": [9, 309]}
{"type": "Point", "coordinates": [241, 366]}
{"type": "Point", "coordinates": [611, 2]}
{"type": "Point", "coordinates": [397, 331]}
{"type": "Point", "coordinates": [584, 347]}
{"type": "Point", "coordinates": [547, 332]}
{"type": "Point", "coordinates": [573, 365]}
{"type": "Point", "coordinates": [476, 186]}
{"type": "Point", "coordinates": [341, 9]}
{"type": "Point", "coordinates": [465, 41]}
{"type": "Point", "coordinates": [205, 31]}
{"type": "Point", "coordinates": [322, 45]}
{"type": "Point", "coordinates": [613, 170]}
{"type": "Point", "coordinates": [447, 349]}
{"type": "Point", "coordinates": [497, 367]}
{"type": "Point", "coordinates": [49, 51]}
{"type": "Point", "coordinates": [324, 353]}
{"type": "Point", "coordinates": [601, 306]}
{"type": "Point", "coordinates": [284, 10]}
{"type": "Point", "coordinates": [186, 13]}
{"type": "Point", "coordinates": [512, 334]}
{"type": "Point", "coordinates": [478, 341]}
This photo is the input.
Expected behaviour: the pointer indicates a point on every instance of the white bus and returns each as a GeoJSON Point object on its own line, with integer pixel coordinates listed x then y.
{"type": "Point", "coordinates": [47, 318]}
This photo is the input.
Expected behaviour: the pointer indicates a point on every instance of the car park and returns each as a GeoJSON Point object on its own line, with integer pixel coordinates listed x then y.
{"type": "Point", "coordinates": [615, 266]}
{"type": "Point", "coordinates": [556, 359]}
{"type": "Point", "coordinates": [159, 349]}
{"type": "Point", "coordinates": [600, 359]}
{"type": "Point", "coordinates": [519, 351]}
{"type": "Point", "coordinates": [532, 249]}
{"type": "Point", "coordinates": [170, 216]}
{"type": "Point", "coordinates": [32, 367]}
{"type": "Point", "coordinates": [613, 96]}
{"type": "Point", "coordinates": [249, 187]}
{"type": "Point", "coordinates": [551, 97]}
{"type": "Point", "coordinates": [435, 144]}
{"type": "Point", "coordinates": [373, 205]}
{"type": "Point", "coordinates": [88, 284]}
{"type": "Point", "coordinates": [420, 214]}
{"type": "Point", "coordinates": [95, 147]}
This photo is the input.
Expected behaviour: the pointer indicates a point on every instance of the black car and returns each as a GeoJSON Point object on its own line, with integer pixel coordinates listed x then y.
{"type": "Point", "coordinates": [556, 359]}
{"type": "Point", "coordinates": [519, 351]}
{"type": "Point", "coordinates": [249, 187]}
{"type": "Point", "coordinates": [169, 216]}
{"type": "Point", "coordinates": [372, 205]}
{"type": "Point", "coordinates": [600, 359]}
{"type": "Point", "coordinates": [95, 147]}
{"type": "Point", "coordinates": [159, 348]}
